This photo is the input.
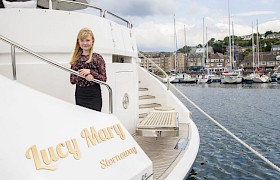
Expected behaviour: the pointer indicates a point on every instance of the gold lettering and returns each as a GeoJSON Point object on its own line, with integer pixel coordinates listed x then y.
{"type": "Point", "coordinates": [103, 134]}
{"type": "Point", "coordinates": [37, 161]}
{"type": "Point", "coordinates": [90, 137]}
{"type": "Point", "coordinates": [110, 132]}
{"type": "Point", "coordinates": [45, 158]}
{"type": "Point", "coordinates": [134, 150]}
{"type": "Point", "coordinates": [59, 150]}
{"type": "Point", "coordinates": [103, 164]}
{"type": "Point", "coordinates": [108, 162]}
{"type": "Point", "coordinates": [125, 154]}
{"type": "Point", "coordinates": [52, 154]}
{"type": "Point", "coordinates": [75, 150]}
{"type": "Point", "coordinates": [119, 131]}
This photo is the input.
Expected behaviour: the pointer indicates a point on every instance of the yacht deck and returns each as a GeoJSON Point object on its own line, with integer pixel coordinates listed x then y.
{"type": "Point", "coordinates": [165, 152]}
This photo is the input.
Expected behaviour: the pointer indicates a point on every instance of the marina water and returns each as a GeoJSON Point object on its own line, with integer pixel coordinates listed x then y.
{"type": "Point", "coordinates": [252, 113]}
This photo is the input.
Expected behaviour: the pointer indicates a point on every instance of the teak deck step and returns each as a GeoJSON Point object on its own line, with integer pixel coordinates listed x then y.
{"type": "Point", "coordinates": [162, 152]}
{"type": "Point", "coordinates": [152, 105]}
{"type": "Point", "coordinates": [146, 97]}
{"type": "Point", "coordinates": [159, 124]}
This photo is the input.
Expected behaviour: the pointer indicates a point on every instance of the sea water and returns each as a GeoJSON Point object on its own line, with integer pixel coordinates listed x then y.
{"type": "Point", "coordinates": [252, 113]}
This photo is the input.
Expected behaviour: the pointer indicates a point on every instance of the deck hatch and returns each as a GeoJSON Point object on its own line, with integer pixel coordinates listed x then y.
{"type": "Point", "coordinates": [159, 124]}
{"type": "Point", "coordinates": [159, 119]}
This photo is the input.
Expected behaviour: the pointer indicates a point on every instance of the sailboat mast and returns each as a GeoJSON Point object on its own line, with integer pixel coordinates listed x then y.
{"type": "Point", "coordinates": [253, 48]}
{"type": "Point", "coordinates": [175, 46]}
{"type": "Point", "coordinates": [229, 37]}
{"type": "Point", "coordinates": [258, 47]}
{"type": "Point", "coordinates": [185, 39]}
{"type": "Point", "coordinates": [185, 50]}
{"type": "Point", "coordinates": [206, 45]}
{"type": "Point", "coordinates": [233, 61]}
{"type": "Point", "coordinates": [203, 42]}
{"type": "Point", "coordinates": [207, 51]}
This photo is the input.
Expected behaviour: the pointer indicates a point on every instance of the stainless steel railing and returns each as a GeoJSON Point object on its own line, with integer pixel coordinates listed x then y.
{"type": "Point", "coordinates": [159, 68]}
{"type": "Point", "coordinates": [53, 63]}
{"type": "Point", "coordinates": [103, 12]}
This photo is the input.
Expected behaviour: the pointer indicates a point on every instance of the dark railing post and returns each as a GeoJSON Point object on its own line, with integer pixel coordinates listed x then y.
{"type": "Point", "coordinates": [13, 57]}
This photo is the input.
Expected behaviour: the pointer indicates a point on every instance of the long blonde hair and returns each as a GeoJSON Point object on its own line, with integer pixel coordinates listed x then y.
{"type": "Point", "coordinates": [78, 50]}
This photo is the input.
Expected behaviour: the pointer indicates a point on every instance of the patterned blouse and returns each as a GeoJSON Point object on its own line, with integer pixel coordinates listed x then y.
{"type": "Point", "coordinates": [97, 69]}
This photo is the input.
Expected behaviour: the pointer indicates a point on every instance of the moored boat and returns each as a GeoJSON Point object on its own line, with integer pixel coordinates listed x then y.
{"type": "Point", "coordinates": [233, 77]}
{"type": "Point", "coordinates": [215, 78]}
{"type": "Point", "coordinates": [261, 78]}
{"type": "Point", "coordinates": [248, 79]}
{"type": "Point", "coordinates": [276, 75]}
{"type": "Point", "coordinates": [190, 79]}
{"type": "Point", "coordinates": [204, 78]}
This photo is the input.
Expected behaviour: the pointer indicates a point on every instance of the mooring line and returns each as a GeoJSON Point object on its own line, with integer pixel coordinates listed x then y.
{"type": "Point", "coordinates": [228, 132]}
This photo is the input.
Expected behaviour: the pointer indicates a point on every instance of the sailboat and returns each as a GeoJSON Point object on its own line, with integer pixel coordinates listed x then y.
{"type": "Point", "coordinates": [187, 77]}
{"type": "Point", "coordinates": [259, 77]}
{"type": "Point", "coordinates": [276, 75]}
{"type": "Point", "coordinates": [45, 135]}
{"type": "Point", "coordinates": [204, 78]}
{"type": "Point", "coordinates": [231, 76]}
{"type": "Point", "coordinates": [249, 78]}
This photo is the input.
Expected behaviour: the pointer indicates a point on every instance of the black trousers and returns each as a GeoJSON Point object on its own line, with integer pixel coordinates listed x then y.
{"type": "Point", "coordinates": [89, 97]}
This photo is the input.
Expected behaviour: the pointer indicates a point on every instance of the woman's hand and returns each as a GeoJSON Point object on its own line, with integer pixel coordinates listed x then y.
{"type": "Point", "coordinates": [84, 72]}
{"type": "Point", "coordinates": [89, 77]}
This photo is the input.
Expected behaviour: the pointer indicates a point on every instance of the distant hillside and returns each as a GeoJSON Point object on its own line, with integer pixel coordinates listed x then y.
{"type": "Point", "coordinates": [266, 40]}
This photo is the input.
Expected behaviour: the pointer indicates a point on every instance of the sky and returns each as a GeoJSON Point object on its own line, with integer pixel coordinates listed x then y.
{"type": "Point", "coordinates": [153, 20]}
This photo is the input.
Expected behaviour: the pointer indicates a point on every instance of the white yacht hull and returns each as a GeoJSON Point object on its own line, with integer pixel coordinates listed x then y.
{"type": "Point", "coordinates": [49, 118]}
{"type": "Point", "coordinates": [261, 79]}
{"type": "Point", "coordinates": [231, 78]}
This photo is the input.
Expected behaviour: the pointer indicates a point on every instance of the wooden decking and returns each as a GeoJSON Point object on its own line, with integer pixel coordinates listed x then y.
{"type": "Point", "coordinates": [159, 119]}
{"type": "Point", "coordinates": [162, 152]}
{"type": "Point", "coordinates": [159, 124]}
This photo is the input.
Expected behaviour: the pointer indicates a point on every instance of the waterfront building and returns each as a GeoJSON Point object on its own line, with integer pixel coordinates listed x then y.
{"type": "Point", "coordinates": [275, 50]}
{"type": "Point", "coordinates": [267, 63]}
{"type": "Point", "coordinates": [196, 59]}
{"type": "Point", "coordinates": [216, 63]}
{"type": "Point", "coordinates": [165, 60]}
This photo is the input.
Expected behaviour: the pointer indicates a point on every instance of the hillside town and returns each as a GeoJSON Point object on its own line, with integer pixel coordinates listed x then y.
{"type": "Point", "coordinates": [201, 59]}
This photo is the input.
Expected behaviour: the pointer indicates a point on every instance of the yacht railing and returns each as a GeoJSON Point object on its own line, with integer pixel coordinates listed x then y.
{"type": "Point", "coordinates": [53, 63]}
{"type": "Point", "coordinates": [103, 12]}
{"type": "Point", "coordinates": [159, 68]}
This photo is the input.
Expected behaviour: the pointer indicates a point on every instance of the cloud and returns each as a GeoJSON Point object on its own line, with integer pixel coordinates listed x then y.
{"type": "Point", "coordinates": [141, 8]}
{"type": "Point", "coordinates": [153, 19]}
{"type": "Point", "coordinates": [273, 25]}
{"type": "Point", "coordinates": [155, 36]}
{"type": "Point", "coordinates": [160, 36]}
{"type": "Point", "coordinates": [255, 13]}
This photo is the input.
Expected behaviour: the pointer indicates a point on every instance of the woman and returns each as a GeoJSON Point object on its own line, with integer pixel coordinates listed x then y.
{"type": "Point", "coordinates": [90, 65]}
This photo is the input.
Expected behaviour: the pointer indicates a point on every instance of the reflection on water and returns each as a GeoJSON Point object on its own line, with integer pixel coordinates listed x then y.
{"type": "Point", "coordinates": [252, 113]}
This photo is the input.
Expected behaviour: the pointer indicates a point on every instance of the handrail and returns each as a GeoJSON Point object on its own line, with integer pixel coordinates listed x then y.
{"type": "Point", "coordinates": [159, 68]}
{"type": "Point", "coordinates": [53, 63]}
{"type": "Point", "coordinates": [102, 11]}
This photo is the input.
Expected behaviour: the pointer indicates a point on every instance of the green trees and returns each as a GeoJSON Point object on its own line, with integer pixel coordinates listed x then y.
{"type": "Point", "coordinates": [221, 45]}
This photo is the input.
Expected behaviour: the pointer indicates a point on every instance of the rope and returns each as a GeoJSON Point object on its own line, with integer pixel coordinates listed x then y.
{"type": "Point", "coordinates": [228, 132]}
